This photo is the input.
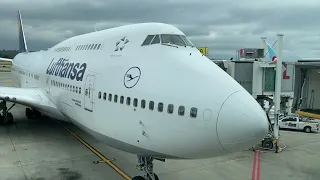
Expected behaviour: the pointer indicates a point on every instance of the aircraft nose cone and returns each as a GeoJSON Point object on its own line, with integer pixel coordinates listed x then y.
{"type": "Point", "coordinates": [242, 123]}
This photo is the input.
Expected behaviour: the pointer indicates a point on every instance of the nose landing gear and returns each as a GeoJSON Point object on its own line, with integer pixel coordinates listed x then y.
{"type": "Point", "coordinates": [146, 165]}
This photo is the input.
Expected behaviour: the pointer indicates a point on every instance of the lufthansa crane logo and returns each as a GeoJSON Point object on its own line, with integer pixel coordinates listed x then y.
{"type": "Point", "coordinates": [132, 77]}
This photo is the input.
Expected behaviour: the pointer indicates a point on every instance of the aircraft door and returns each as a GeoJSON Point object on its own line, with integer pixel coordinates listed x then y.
{"type": "Point", "coordinates": [48, 85]}
{"type": "Point", "coordinates": [88, 93]}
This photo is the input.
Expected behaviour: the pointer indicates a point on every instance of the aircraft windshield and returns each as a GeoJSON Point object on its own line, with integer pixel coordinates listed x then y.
{"type": "Point", "coordinates": [167, 39]}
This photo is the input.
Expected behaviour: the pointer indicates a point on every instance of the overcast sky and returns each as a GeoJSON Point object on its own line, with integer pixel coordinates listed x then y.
{"type": "Point", "coordinates": [222, 25]}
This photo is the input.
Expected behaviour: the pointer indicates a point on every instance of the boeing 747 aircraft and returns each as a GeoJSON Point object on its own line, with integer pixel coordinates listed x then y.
{"type": "Point", "coordinates": [141, 88]}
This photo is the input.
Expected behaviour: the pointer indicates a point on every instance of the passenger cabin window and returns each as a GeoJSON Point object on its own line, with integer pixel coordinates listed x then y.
{"type": "Point", "coordinates": [151, 105]}
{"type": "Point", "coordinates": [110, 97]}
{"type": "Point", "coordinates": [181, 110]}
{"type": "Point", "coordinates": [104, 96]}
{"type": "Point", "coordinates": [170, 108]}
{"type": "Point", "coordinates": [99, 95]}
{"type": "Point", "coordinates": [121, 100]}
{"type": "Point", "coordinates": [128, 101]}
{"type": "Point", "coordinates": [135, 102]}
{"type": "Point", "coordinates": [193, 112]}
{"type": "Point", "coordinates": [160, 107]}
{"type": "Point", "coordinates": [115, 99]}
{"type": "Point", "coordinates": [143, 103]}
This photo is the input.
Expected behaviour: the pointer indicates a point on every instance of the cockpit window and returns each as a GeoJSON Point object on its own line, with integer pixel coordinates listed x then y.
{"type": "Point", "coordinates": [156, 40]}
{"type": "Point", "coordinates": [167, 39]}
{"type": "Point", "coordinates": [187, 41]}
{"type": "Point", "coordinates": [147, 40]}
{"type": "Point", "coordinates": [172, 39]}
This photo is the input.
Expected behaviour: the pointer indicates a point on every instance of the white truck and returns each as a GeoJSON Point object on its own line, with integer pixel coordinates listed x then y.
{"type": "Point", "coordinates": [299, 123]}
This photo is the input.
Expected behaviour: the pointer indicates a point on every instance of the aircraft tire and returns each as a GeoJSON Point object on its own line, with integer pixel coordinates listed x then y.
{"type": "Point", "coordinates": [156, 176]}
{"type": "Point", "coordinates": [37, 113]}
{"type": "Point", "coordinates": [267, 144]}
{"type": "Point", "coordinates": [10, 118]}
{"type": "Point", "coordinates": [138, 178]}
{"type": "Point", "coordinates": [29, 113]}
{"type": "Point", "coordinates": [1, 120]}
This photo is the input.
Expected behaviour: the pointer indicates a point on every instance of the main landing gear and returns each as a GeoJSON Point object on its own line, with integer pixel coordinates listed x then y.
{"type": "Point", "coordinates": [31, 113]}
{"type": "Point", "coordinates": [146, 165]}
{"type": "Point", "coordinates": [5, 116]}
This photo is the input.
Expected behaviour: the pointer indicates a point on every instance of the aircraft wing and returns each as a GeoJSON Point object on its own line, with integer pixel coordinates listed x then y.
{"type": "Point", "coordinates": [5, 59]}
{"type": "Point", "coordinates": [32, 97]}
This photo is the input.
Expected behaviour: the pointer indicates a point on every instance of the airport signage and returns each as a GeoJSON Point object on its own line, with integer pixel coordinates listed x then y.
{"type": "Point", "coordinates": [203, 50]}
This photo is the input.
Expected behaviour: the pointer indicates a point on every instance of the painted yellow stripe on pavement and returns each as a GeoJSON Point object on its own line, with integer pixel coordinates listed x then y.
{"type": "Point", "coordinates": [10, 82]}
{"type": "Point", "coordinates": [106, 160]}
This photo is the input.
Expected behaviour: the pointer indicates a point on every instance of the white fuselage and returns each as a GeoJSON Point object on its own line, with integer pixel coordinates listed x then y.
{"type": "Point", "coordinates": [227, 117]}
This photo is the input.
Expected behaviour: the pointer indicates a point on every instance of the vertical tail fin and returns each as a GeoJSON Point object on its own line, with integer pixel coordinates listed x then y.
{"type": "Point", "coordinates": [22, 39]}
{"type": "Point", "coordinates": [272, 52]}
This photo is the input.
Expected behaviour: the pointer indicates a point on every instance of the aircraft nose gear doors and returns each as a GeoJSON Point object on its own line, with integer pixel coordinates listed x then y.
{"type": "Point", "coordinates": [88, 94]}
{"type": "Point", "coordinates": [146, 165]}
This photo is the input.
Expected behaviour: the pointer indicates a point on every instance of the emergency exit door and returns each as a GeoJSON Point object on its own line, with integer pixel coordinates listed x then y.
{"type": "Point", "coordinates": [88, 94]}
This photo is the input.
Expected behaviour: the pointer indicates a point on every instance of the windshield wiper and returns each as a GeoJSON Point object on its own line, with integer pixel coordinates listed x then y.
{"type": "Point", "coordinates": [168, 44]}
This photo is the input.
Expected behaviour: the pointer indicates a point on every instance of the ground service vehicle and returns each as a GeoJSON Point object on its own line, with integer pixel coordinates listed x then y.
{"type": "Point", "coordinates": [299, 123]}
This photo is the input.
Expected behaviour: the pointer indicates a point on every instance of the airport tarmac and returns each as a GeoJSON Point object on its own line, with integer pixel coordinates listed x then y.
{"type": "Point", "coordinates": [41, 149]}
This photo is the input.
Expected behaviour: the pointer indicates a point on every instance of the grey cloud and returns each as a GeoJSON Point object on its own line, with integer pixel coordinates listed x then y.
{"type": "Point", "coordinates": [222, 25]}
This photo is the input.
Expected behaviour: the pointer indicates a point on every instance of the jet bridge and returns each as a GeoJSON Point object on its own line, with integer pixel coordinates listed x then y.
{"type": "Point", "coordinates": [258, 78]}
{"type": "Point", "coordinates": [5, 66]}
{"type": "Point", "coordinates": [307, 88]}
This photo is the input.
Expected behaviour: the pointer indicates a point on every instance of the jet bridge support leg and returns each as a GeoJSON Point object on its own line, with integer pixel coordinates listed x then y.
{"type": "Point", "coordinates": [5, 116]}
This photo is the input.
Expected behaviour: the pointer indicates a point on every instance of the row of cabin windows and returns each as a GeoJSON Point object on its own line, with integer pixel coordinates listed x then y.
{"type": "Point", "coordinates": [26, 73]}
{"type": "Point", "coordinates": [88, 47]}
{"type": "Point", "coordinates": [66, 86]}
{"type": "Point", "coordinates": [62, 49]}
{"type": "Point", "coordinates": [143, 104]}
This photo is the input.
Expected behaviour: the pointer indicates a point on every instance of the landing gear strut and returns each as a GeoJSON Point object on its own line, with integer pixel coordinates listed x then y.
{"type": "Point", "coordinates": [30, 113]}
{"type": "Point", "coordinates": [5, 116]}
{"type": "Point", "coordinates": [146, 165]}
